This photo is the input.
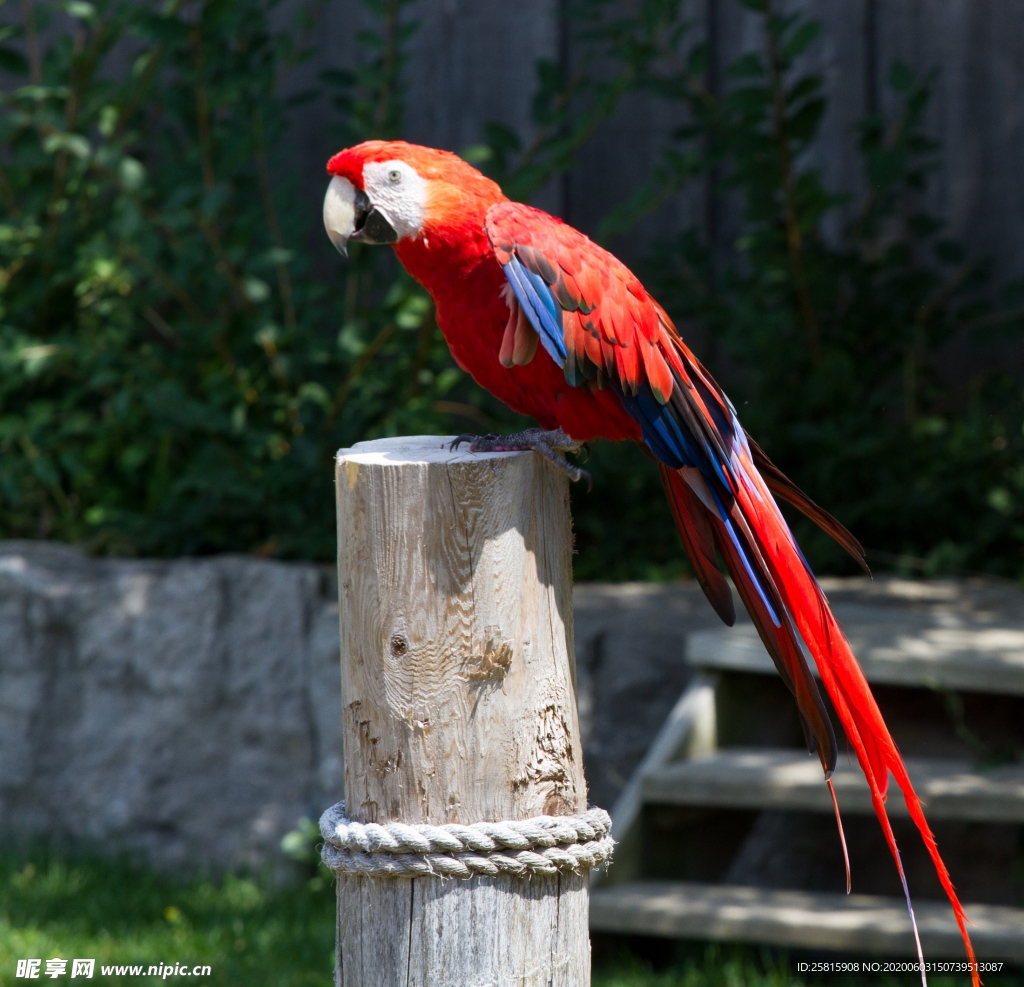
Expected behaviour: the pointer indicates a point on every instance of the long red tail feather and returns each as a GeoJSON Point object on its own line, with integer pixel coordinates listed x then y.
{"type": "Point", "coordinates": [841, 675]}
{"type": "Point", "coordinates": [699, 541]}
{"type": "Point", "coordinates": [842, 835]}
{"type": "Point", "coordinates": [792, 588]}
{"type": "Point", "coordinates": [692, 515]}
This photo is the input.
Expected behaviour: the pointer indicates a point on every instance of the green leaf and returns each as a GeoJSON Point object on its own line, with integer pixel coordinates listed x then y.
{"type": "Point", "coordinates": [12, 61]}
{"type": "Point", "coordinates": [802, 38]}
{"type": "Point", "coordinates": [74, 144]}
{"type": "Point", "coordinates": [477, 154]}
{"type": "Point", "coordinates": [78, 8]}
{"type": "Point", "coordinates": [132, 174]}
{"type": "Point", "coordinates": [901, 77]}
{"type": "Point", "coordinates": [747, 66]}
{"type": "Point", "coordinates": [412, 311]}
{"type": "Point", "coordinates": [108, 119]}
{"type": "Point", "coordinates": [315, 393]}
{"type": "Point", "coordinates": [279, 255]}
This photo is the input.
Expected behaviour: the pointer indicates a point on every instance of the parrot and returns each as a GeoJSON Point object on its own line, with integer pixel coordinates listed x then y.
{"type": "Point", "coordinates": [557, 328]}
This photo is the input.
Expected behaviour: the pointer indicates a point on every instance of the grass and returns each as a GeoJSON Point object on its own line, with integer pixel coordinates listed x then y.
{"type": "Point", "coordinates": [249, 932]}
{"type": "Point", "coordinates": [253, 933]}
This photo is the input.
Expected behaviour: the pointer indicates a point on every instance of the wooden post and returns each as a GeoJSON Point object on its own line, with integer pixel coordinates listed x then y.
{"type": "Point", "coordinates": [459, 706]}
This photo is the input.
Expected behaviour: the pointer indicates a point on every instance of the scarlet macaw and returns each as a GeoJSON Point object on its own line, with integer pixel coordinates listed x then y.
{"type": "Point", "coordinates": [560, 330]}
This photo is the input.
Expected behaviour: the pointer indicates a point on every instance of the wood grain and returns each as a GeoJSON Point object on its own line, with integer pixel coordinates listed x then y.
{"type": "Point", "coordinates": [787, 779]}
{"type": "Point", "coordinates": [804, 919]}
{"type": "Point", "coordinates": [475, 933]}
{"type": "Point", "coordinates": [458, 696]}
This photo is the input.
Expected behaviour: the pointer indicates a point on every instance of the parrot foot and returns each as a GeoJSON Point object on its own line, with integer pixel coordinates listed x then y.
{"type": "Point", "coordinates": [549, 444]}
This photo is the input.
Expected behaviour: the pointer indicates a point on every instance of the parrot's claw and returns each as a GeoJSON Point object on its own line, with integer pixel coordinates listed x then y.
{"type": "Point", "coordinates": [549, 444]}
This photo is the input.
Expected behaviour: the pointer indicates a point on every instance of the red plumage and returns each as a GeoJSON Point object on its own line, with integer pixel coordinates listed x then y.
{"type": "Point", "coordinates": [626, 374]}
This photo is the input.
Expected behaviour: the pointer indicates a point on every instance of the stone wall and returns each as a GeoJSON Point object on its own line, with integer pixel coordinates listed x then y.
{"type": "Point", "coordinates": [188, 711]}
{"type": "Point", "coordinates": [185, 711]}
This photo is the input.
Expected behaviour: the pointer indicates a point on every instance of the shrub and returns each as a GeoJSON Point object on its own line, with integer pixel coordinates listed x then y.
{"type": "Point", "coordinates": [175, 376]}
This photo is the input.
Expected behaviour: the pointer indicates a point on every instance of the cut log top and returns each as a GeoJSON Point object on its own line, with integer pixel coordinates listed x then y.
{"type": "Point", "coordinates": [412, 449]}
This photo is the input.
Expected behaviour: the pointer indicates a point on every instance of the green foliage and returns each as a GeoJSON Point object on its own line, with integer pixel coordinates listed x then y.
{"type": "Point", "coordinates": [173, 378]}
{"type": "Point", "coordinates": [828, 320]}
{"type": "Point", "coordinates": [248, 930]}
{"type": "Point", "coordinates": [623, 527]}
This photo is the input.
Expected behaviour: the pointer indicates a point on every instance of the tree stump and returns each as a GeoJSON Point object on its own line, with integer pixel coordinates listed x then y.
{"type": "Point", "coordinates": [459, 706]}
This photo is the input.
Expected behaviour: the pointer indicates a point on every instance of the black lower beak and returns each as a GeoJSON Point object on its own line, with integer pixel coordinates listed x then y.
{"type": "Point", "coordinates": [372, 226]}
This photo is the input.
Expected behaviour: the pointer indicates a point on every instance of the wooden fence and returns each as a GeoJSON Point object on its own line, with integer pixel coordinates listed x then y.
{"type": "Point", "coordinates": [473, 61]}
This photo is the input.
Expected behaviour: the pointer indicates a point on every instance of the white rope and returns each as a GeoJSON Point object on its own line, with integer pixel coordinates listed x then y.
{"type": "Point", "coordinates": [541, 845]}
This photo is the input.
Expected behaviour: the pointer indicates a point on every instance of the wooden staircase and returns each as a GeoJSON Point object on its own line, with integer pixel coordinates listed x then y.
{"type": "Point", "coordinates": [723, 756]}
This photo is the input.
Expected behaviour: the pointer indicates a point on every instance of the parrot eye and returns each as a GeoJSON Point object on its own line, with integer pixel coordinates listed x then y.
{"type": "Point", "coordinates": [394, 176]}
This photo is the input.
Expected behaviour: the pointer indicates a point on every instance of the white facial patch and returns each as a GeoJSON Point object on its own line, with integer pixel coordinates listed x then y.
{"type": "Point", "coordinates": [399, 192]}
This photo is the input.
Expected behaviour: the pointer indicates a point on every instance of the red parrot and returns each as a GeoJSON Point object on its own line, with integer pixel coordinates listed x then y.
{"type": "Point", "coordinates": [560, 330]}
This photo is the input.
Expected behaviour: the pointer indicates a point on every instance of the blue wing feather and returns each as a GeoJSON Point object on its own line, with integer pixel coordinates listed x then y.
{"type": "Point", "coordinates": [541, 307]}
{"type": "Point", "coordinates": [657, 433]}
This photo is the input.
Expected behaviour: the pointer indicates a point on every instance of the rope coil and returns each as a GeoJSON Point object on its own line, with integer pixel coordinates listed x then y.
{"type": "Point", "coordinates": [541, 845]}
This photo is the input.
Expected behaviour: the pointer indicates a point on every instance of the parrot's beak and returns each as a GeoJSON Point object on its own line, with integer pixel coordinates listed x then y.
{"type": "Point", "coordinates": [349, 214]}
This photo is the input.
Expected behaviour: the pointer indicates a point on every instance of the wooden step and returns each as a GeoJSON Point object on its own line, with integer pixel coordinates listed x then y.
{"type": "Point", "coordinates": [930, 649]}
{"type": "Point", "coordinates": [810, 920]}
{"type": "Point", "coordinates": [763, 778]}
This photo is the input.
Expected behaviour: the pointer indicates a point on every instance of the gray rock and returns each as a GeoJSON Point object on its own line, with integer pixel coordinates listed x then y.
{"type": "Point", "coordinates": [188, 711]}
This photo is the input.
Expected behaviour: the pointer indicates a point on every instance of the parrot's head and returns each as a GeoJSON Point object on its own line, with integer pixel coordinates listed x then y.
{"type": "Point", "coordinates": [390, 191]}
